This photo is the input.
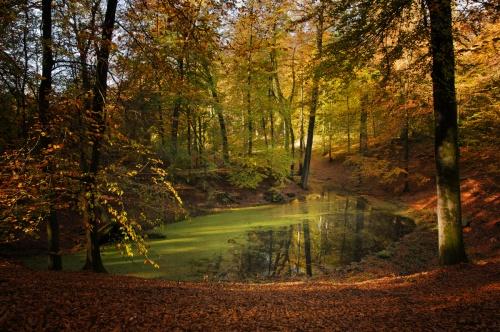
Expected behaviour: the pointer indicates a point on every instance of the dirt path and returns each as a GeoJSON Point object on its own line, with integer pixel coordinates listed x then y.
{"type": "Point", "coordinates": [324, 174]}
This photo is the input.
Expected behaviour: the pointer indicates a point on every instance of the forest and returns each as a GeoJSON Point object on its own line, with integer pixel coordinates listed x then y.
{"type": "Point", "coordinates": [249, 165]}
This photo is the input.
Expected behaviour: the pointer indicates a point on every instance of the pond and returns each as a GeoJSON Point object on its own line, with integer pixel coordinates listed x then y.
{"type": "Point", "coordinates": [310, 237]}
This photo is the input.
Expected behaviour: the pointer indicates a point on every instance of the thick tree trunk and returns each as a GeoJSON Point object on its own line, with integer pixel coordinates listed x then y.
{"type": "Point", "coordinates": [54, 257]}
{"type": "Point", "coordinates": [314, 102]}
{"type": "Point", "coordinates": [23, 102]}
{"type": "Point", "coordinates": [93, 260]}
{"type": "Point", "coordinates": [91, 215]}
{"type": "Point", "coordinates": [451, 246]}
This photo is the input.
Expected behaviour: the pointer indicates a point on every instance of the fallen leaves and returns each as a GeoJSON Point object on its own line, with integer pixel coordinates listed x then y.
{"type": "Point", "coordinates": [466, 297]}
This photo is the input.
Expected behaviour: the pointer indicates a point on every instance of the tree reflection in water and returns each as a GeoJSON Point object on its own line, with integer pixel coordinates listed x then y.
{"type": "Point", "coordinates": [349, 230]}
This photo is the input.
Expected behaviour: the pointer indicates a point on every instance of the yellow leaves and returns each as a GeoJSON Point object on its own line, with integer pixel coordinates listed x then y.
{"type": "Point", "coordinates": [376, 168]}
{"type": "Point", "coordinates": [132, 173]}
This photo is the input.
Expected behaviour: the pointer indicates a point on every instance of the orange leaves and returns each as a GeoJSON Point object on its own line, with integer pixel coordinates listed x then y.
{"type": "Point", "coordinates": [452, 299]}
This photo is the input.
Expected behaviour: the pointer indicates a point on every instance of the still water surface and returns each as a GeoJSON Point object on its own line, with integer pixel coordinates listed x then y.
{"type": "Point", "coordinates": [309, 237]}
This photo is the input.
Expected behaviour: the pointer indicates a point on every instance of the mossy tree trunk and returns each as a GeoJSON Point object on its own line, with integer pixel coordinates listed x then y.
{"type": "Point", "coordinates": [451, 246]}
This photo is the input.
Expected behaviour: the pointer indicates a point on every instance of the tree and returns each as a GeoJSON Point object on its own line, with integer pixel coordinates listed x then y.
{"type": "Point", "coordinates": [363, 126]}
{"type": "Point", "coordinates": [364, 27]}
{"type": "Point", "coordinates": [212, 86]}
{"type": "Point", "coordinates": [314, 99]}
{"type": "Point", "coordinates": [451, 246]}
{"type": "Point", "coordinates": [54, 256]}
{"type": "Point", "coordinates": [91, 213]}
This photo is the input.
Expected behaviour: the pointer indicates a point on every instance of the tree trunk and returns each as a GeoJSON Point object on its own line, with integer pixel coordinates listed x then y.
{"type": "Point", "coordinates": [189, 139]}
{"type": "Point", "coordinates": [223, 134]}
{"type": "Point", "coordinates": [54, 257]}
{"type": "Point", "coordinates": [301, 139]}
{"type": "Point", "coordinates": [363, 126]}
{"type": "Point", "coordinates": [271, 123]}
{"type": "Point", "coordinates": [406, 148]}
{"type": "Point", "coordinates": [249, 87]}
{"type": "Point", "coordinates": [314, 102]}
{"type": "Point", "coordinates": [93, 260]}
{"type": "Point", "coordinates": [348, 126]}
{"type": "Point", "coordinates": [292, 139]}
{"type": "Point", "coordinates": [330, 138]}
{"type": "Point", "coordinates": [451, 246]}
{"type": "Point", "coordinates": [55, 261]}
{"type": "Point", "coordinates": [175, 125]}
{"type": "Point", "coordinates": [176, 113]}
{"type": "Point", "coordinates": [264, 130]}
{"type": "Point", "coordinates": [91, 215]}
{"type": "Point", "coordinates": [220, 117]}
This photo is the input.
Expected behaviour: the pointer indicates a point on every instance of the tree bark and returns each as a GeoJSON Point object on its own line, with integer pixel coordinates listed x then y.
{"type": "Point", "coordinates": [220, 117]}
{"type": "Point", "coordinates": [175, 125]}
{"type": "Point", "coordinates": [91, 213]}
{"type": "Point", "coordinates": [301, 139]}
{"type": "Point", "coordinates": [249, 86]}
{"type": "Point", "coordinates": [451, 246]}
{"type": "Point", "coordinates": [348, 126]}
{"type": "Point", "coordinates": [406, 148]}
{"type": "Point", "coordinates": [314, 102]}
{"type": "Point", "coordinates": [176, 113]}
{"type": "Point", "coordinates": [54, 257]}
{"type": "Point", "coordinates": [363, 126]}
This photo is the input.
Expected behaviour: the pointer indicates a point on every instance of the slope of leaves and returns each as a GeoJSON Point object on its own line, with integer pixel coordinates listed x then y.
{"type": "Point", "coordinates": [454, 299]}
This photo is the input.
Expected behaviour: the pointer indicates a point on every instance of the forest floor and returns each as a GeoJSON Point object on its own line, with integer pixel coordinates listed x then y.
{"type": "Point", "coordinates": [460, 298]}
{"type": "Point", "coordinates": [405, 291]}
